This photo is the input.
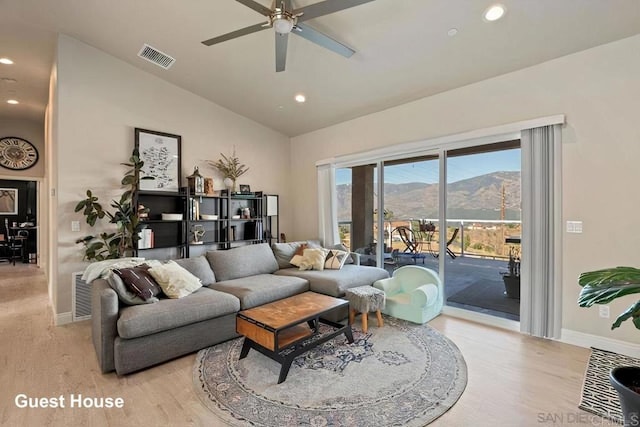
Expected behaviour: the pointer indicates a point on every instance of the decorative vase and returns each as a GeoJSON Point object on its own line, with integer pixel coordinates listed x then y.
{"type": "Point", "coordinates": [230, 184]}
{"type": "Point", "coordinates": [626, 381]}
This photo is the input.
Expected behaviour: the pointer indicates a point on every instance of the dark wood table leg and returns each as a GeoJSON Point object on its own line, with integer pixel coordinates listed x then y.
{"type": "Point", "coordinates": [348, 334]}
{"type": "Point", "coordinates": [245, 348]}
{"type": "Point", "coordinates": [284, 370]}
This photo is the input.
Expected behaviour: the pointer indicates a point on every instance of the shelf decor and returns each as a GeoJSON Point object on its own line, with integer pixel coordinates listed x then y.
{"type": "Point", "coordinates": [196, 182]}
{"type": "Point", "coordinates": [231, 168]}
{"type": "Point", "coordinates": [160, 153]}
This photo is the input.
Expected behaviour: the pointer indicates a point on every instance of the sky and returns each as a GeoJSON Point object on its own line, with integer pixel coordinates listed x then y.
{"type": "Point", "coordinates": [458, 168]}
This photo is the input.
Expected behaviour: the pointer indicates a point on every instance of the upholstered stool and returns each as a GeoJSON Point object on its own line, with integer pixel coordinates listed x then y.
{"type": "Point", "coordinates": [363, 300]}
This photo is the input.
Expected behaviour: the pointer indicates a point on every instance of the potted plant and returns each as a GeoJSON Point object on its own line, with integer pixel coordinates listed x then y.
{"type": "Point", "coordinates": [110, 245]}
{"type": "Point", "coordinates": [602, 287]}
{"type": "Point", "coordinates": [511, 278]}
{"type": "Point", "coordinates": [230, 167]}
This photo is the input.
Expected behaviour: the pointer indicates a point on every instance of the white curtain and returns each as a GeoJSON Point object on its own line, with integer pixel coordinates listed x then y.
{"type": "Point", "coordinates": [327, 205]}
{"type": "Point", "coordinates": [541, 286]}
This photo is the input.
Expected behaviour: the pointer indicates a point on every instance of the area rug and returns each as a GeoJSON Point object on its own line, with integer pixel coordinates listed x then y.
{"type": "Point", "coordinates": [399, 375]}
{"type": "Point", "coordinates": [489, 295]}
{"type": "Point", "coordinates": [598, 396]}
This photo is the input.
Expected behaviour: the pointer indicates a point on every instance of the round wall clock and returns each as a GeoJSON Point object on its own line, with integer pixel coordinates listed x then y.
{"type": "Point", "coordinates": [17, 153]}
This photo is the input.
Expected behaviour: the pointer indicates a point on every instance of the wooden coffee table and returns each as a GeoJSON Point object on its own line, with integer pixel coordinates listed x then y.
{"type": "Point", "coordinates": [280, 330]}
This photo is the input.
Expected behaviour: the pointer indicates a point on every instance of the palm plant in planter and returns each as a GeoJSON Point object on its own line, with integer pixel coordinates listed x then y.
{"type": "Point", "coordinates": [602, 287]}
{"type": "Point", "coordinates": [110, 245]}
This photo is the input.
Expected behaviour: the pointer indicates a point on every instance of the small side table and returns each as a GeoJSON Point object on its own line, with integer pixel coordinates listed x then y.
{"type": "Point", "coordinates": [362, 300]}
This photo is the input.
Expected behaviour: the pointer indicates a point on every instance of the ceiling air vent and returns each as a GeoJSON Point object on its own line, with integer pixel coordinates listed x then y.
{"type": "Point", "coordinates": [152, 54]}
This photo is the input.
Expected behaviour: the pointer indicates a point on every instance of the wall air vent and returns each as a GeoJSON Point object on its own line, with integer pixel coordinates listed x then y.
{"type": "Point", "coordinates": [80, 298]}
{"type": "Point", "coordinates": [153, 55]}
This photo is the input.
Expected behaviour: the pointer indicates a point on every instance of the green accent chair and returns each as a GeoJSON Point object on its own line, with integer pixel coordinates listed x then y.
{"type": "Point", "coordinates": [413, 293]}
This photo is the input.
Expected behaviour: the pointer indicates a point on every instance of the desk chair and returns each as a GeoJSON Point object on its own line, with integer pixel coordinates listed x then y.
{"type": "Point", "coordinates": [15, 243]}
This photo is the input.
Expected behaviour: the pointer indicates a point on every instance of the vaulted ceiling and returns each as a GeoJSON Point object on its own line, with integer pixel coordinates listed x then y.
{"type": "Point", "coordinates": [404, 50]}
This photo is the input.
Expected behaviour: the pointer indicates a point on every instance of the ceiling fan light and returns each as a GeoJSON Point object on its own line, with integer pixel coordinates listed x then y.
{"type": "Point", "coordinates": [283, 25]}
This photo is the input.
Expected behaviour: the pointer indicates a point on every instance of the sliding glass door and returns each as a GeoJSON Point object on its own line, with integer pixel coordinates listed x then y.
{"type": "Point", "coordinates": [483, 229]}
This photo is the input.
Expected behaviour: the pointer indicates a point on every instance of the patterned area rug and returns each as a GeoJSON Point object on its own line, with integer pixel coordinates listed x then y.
{"type": "Point", "coordinates": [598, 396]}
{"type": "Point", "coordinates": [399, 375]}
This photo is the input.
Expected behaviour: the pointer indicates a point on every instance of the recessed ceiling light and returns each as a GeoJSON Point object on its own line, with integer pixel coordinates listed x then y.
{"type": "Point", "coordinates": [452, 32]}
{"type": "Point", "coordinates": [300, 98]}
{"type": "Point", "coordinates": [494, 12]}
{"type": "Point", "coordinates": [12, 101]}
{"type": "Point", "coordinates": [6, 61]}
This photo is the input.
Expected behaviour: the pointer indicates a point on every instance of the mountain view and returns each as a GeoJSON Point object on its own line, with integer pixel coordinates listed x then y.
{"type": "Point", "coordinates": [474, 198]}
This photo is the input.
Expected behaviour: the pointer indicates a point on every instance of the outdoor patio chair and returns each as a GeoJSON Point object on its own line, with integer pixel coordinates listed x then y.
{"type": "Point", "coordinates": [413, 246]}
{"type": "Point", "coordinates": [451, 239]}
{"type": "Point", "coordinates": [413, 293]}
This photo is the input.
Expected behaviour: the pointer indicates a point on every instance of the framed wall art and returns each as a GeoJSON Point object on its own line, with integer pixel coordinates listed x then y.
{"type": "Point", "coordinates": [160, 153]}
{"type": "Point", "coordinates": [8, 201]}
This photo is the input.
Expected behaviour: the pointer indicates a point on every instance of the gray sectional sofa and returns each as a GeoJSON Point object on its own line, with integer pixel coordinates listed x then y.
{"type": "Point", "coordinates": [128, 338]}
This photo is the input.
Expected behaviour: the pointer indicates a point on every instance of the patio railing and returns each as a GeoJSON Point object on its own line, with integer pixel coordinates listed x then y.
{"type": "Point", "coordinates": [481, 238]}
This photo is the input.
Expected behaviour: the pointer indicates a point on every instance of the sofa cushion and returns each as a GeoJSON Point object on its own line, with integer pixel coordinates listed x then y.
{"type": "Point", "coordinates": [141, 320]}
{"type": "Point", "coordinates": [175, 281]}
{"type": "Point", "coordinates": [313, 259]}
{"type": "Point", "coordinates": [139, 281]}
{"type": "Point", "coordinates": [261, 289]}
{"type": "Point", "coordinates": [335, 282]}
{"type": "Point", "coordinates": [242, 261]}
{"type": "Point", "coordinates": [285, 251]}
{"type": "Point", "coordinates": [125, 295]}
{"type": "Point", "coordinates": [199, 267]}
{"type": "Point", "coordinates": [336, 259]}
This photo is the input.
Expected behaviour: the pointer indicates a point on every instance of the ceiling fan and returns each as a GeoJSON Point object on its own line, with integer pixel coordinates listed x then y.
{"type": "Point", "coordinates": [284, 20]}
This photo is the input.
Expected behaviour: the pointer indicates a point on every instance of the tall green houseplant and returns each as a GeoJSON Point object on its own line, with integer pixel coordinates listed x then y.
{"type": "Point", "coordinates": [603, 286]}
{"type": "Point", "coordinates": [110, 245]}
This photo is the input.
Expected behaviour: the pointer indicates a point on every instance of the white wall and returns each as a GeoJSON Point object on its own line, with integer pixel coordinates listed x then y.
{"type": "Point", "coordinates": [100, 100]}
{"type": "Point", "coordinates": [598, 90]}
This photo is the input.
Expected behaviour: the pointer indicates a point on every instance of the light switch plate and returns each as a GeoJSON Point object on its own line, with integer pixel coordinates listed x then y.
{"type": "Point", "coordinates": [574, 226]}
{"type": "Point", "coordinates": [75, 225]}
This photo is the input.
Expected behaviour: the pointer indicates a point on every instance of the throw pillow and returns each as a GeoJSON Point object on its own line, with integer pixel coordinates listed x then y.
{"type": "Point", "coordinates": [342, 247]}
{"type": "Point", "coordinates": [175, 281]}
{"type": "Point", "coordinates": [124, 294]}
{"type": "Point", "coordinates": [139, 281]}
{"type": "Point", "coordinates": [298, 255]}
{"type": "Point", "coordinates": [313, 259]}
{"type": "Point", "coordinates": [335, 259]}
{"type": "Point", "coordinates": [199, 267]}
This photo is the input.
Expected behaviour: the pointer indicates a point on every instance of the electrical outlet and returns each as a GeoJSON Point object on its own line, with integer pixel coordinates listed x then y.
{"type": "Point", "coordinates": [604, 311]}
{"type": "Point", "coordinates": [75, 225]}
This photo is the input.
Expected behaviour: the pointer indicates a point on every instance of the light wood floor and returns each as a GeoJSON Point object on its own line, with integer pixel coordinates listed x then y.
{"type": "Point", "coordinates": [514, 380]}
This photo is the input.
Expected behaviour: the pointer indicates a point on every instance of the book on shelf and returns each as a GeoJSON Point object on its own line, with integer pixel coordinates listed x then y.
{"type": "Point", "coordinates": [146, 239]}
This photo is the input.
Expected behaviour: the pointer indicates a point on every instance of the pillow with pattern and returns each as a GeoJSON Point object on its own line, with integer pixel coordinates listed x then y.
{"type": "Point", "coordinates": [335, 259]}
{"type": "Point", "coordinates": [139, 281]}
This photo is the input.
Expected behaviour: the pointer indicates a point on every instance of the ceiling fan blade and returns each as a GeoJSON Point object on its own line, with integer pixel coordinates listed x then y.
{"type": "Point", "coordinates": [281, 51]}
{"type": "Point", "coordinates": [256, 6]}
{"type": "Point", "coordinates": [234, 34]}
{"type": "Point", "coordinates": [315, 36]}
{"type": "Point", "coordinates": [326, 7]}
